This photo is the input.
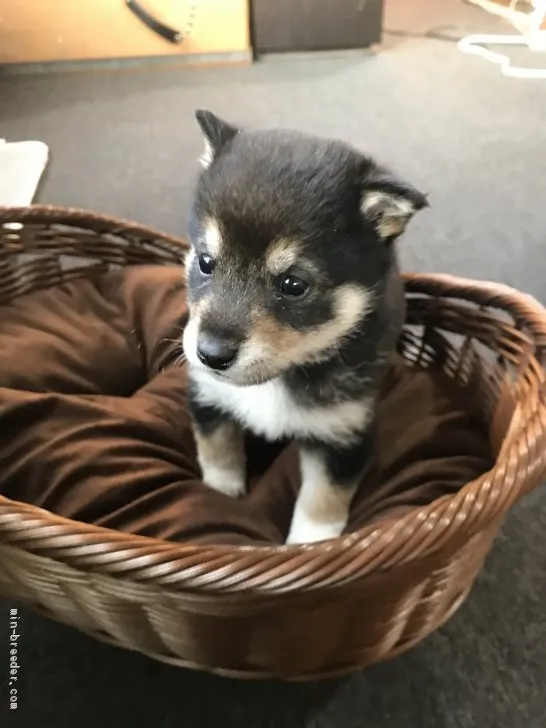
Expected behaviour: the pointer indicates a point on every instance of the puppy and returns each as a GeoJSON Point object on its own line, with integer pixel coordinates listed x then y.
{"type": "Point", "coordinates": [296, 306]}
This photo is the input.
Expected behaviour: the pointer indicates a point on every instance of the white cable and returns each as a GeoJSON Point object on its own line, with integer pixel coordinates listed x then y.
{"type": "Point", "coordinates": [529, 25]}
{"type": "Point", "coordinates": [509, 13]}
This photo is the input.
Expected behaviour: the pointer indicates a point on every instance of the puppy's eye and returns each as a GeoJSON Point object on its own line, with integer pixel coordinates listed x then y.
{"type": "Point", "coordinates": [206, 264]}
{"type": "Point", "coordinates": [293, 286]}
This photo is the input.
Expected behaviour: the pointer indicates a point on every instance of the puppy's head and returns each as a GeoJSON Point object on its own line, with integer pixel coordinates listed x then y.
{"type": "Point", "coordinates": [291, 239]}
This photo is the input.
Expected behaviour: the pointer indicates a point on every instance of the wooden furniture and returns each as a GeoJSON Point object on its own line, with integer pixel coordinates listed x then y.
{"type": "Point", "coordinates": [72, 30]}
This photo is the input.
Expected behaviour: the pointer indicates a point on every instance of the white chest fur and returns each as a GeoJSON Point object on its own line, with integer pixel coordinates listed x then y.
{"type": "Point", "coordinates": [269, 410]}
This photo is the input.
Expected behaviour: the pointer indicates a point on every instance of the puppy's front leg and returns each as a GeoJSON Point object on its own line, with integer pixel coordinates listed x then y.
{"type": "Point", "coordinates": [329, 479]}
{"type": "Point", "coordinates": [220, 450]}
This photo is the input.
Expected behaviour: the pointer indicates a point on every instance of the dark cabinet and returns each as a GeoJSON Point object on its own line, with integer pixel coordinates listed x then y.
{"type": "Point", "coordinates": [311, 25]}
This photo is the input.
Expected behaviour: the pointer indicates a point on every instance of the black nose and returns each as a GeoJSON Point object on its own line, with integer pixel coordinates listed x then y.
{"type": "Point", "coordinates": [216, 352]}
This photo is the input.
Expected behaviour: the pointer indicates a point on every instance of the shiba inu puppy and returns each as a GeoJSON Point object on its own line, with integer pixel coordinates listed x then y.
{"type": "Point", "coordinates": [295, 307]}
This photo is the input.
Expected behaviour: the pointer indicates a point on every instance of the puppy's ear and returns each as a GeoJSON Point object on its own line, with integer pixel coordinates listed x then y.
{"type": "Point", "coordinates": [389, 205]}
{"type": "Point", "coordinates": [217, 133]}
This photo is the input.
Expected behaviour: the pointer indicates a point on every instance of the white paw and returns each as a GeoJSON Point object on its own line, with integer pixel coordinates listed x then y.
{"type": "Point", "coordinates": [305, 530]}
{"type": "Point", "coordinates": [228, 482]}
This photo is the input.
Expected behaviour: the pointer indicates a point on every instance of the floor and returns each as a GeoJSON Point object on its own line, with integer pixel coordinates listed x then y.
{"type": "Point", "coordinates": [125, 142]}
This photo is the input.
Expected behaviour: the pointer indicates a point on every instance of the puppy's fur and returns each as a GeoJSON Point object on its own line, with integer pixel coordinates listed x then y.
{"type": "Point", "coordinates": [295, 308]}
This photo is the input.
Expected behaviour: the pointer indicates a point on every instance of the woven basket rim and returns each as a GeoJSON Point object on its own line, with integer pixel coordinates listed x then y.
{"type": "Point", "coordinates": [72, 215]}
{"type": "Point", "coordinates": [251, 568]}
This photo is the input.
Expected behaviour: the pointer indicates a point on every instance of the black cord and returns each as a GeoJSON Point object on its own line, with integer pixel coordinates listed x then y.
{"type": "Point", "coordinates": [165, 31]}
{"type": "Point", "coordinates": [431, 34]}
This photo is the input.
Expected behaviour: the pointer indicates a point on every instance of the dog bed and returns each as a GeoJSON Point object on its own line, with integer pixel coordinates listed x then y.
{"type": "Point", "coordinates": [105, 525]}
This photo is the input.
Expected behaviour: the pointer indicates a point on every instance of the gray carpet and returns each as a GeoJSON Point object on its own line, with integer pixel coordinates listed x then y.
{"type": "Point", "coordinates": [126, 143]}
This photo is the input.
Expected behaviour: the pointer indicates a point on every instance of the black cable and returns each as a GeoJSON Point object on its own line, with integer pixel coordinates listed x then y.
{"type": "Point", "coordinates": [431, 34]}
{"type": "Point", "coordinates": [165, 31]}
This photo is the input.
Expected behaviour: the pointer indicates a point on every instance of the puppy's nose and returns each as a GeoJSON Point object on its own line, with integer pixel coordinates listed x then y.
{"type": "Point", "coordinates": [216, 352]}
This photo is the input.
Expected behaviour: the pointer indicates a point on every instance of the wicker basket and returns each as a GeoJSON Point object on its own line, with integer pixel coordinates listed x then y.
{"type": "Point", "coordinates": [295, 611]}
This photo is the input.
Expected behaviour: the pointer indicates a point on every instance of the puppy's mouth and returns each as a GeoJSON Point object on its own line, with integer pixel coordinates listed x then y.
{"type": "Point", "coordinates": [250, 379]}
{"type": "Point", "coordinates": [247, 377]}
{"type": "Point", "coordinates": [244, 370]}
{"type": "Point", "coordinates": [239, 379]}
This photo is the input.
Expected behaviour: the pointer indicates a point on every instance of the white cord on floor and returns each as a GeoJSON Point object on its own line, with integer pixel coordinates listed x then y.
{"type": "Point", "coordinates": [529, 25]}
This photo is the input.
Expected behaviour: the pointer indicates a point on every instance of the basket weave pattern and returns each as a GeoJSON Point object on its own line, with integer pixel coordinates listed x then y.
{"type": "Point", "coordinates": [293, 611]}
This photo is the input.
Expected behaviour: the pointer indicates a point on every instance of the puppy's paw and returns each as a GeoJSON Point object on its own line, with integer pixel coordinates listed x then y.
{"type": "Point", "coordinates": [227, 481]}
{"type": "Point", "coordinates": [304, 529]}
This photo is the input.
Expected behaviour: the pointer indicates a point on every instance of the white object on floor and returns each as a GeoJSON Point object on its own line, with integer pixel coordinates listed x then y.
{"type": "Point", "coordinates": [532, 36]}
{"type": "Point", "coordinates": [21, 167]}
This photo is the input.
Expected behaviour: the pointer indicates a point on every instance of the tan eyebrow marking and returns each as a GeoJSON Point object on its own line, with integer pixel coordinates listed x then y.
{"type": "Point", "coordinates": [282, 254]}
{"type": "Point", "coordinates": [213, 237]}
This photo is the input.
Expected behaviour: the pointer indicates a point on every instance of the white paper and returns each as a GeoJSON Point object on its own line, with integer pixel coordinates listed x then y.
{"type": "Point", "coordinates": [21, 167]}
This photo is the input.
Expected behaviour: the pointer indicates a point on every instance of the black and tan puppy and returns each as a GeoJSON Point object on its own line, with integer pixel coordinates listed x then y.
{"type": "Point", "coordinates": [295, 308]}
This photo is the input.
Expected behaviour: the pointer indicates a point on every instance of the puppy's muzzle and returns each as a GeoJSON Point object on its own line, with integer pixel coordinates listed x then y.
{"type": "Point", "coordinates": [218, 350]}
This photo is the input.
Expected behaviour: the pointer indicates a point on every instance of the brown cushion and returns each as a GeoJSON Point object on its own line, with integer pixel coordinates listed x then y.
{"type": "Point", "coordinates": [95, 425]}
